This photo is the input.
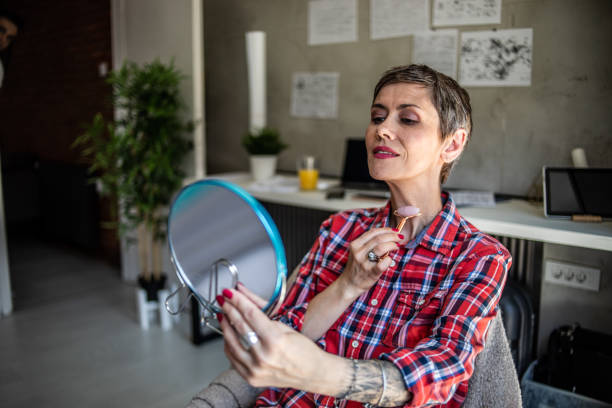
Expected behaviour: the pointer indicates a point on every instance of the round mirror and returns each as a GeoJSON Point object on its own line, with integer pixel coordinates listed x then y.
{"type": "Point", "coordinates": [219, 235]}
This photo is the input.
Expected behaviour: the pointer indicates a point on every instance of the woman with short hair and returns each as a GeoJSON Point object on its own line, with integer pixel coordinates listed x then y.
{"type": "Point", "coordinates": [391, 305]}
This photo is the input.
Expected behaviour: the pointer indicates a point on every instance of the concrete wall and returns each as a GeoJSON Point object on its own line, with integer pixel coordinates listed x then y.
{"type": "Point", "coordinates": [517, 129]}
{"type": "Point", "coordinates": [561, 305]}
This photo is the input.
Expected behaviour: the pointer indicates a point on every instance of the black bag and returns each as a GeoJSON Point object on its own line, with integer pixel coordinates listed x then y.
{"type": "Point", "coordinates": [579, 360]}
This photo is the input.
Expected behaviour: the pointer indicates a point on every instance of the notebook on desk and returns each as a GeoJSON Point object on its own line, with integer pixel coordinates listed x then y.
{"type": "Point", "coordinates": [356, 175]}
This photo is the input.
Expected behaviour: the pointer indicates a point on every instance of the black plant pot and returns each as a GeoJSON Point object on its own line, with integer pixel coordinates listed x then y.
{"type": "Point", "coordinates": [152, 286]}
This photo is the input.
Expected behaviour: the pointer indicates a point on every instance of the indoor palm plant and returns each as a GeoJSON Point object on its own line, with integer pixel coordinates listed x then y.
{"type": "Point", "coordinates": [138, 156]}
{"type": "Point", "coordinates": [263, 146]}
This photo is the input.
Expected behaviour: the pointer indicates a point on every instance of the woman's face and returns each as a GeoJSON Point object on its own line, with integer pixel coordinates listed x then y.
{"type": "Point", "coordinates": [403, 138]}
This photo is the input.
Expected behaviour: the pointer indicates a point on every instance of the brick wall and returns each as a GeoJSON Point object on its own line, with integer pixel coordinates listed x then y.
{"type": "Point", "coordinates": [51, 85]}
{"type": "Point", "coordinates": [51, 89]}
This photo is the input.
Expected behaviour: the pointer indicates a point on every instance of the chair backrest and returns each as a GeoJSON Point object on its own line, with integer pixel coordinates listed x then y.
{"type": "Point", "coordinates": [494, 382]}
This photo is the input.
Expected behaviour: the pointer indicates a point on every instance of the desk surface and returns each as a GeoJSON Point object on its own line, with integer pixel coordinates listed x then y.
{"type": "Point", "coordinates": [512, 218]}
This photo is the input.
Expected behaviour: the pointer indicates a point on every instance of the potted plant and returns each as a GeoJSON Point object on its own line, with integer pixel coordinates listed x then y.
{"type": "Point", "coordinates": [263, 146]}
{"type": "Point", "coordinates": [138, 157]}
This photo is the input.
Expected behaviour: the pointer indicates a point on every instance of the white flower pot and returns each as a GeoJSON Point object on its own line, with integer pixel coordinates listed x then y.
{"type": "Point", "coordinates": [263, 167]}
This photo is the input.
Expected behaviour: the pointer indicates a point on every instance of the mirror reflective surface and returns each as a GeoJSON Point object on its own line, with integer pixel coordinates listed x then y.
{"type": "Point", "coordinates": [218, 235]}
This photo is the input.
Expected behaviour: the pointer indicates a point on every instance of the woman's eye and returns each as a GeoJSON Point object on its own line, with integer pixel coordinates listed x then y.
{"type": "Point", "coordinates": [408, 121]}
{"type": "Point", "coordinates": [378, 120]}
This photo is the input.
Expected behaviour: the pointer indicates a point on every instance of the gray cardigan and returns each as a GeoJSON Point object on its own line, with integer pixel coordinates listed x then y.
{"type": "Point", "coordinates": [494, 382]}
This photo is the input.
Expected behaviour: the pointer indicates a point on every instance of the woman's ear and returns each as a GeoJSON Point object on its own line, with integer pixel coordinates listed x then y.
{"type": "Point", "coordinates": [453, 145]}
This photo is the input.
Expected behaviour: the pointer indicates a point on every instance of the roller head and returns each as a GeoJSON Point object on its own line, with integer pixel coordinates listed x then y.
{"type": "Point", "coordinates": [407, 211]}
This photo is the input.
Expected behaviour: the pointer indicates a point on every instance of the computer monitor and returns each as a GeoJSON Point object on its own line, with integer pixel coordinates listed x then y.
{"type": "Point", "coordinates": [356, 175]}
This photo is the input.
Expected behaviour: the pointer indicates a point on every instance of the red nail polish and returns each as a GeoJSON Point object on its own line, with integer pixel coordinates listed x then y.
{"type": "Point", "coordinates": [395, 229]}
{"type": "Point", "coordinates": [227, 293]}
{"type": "Point", "coordinates": [220, 300]}
{"type": "Point", "coordinates": [401, 236]}
{"type": "Point", "coordinates": [398, 245]}
{"type": "Point", "coordinates": [219, 317]}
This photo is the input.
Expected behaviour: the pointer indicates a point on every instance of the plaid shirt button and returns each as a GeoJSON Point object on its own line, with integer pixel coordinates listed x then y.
{"type": "Point", "coordinates": [355, 343]}
{"type": "Point", "coordinates": [374, 302]}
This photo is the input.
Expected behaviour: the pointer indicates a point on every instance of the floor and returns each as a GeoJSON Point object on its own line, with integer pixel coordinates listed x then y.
{"type": "Point", "coordinates": [74, 339]}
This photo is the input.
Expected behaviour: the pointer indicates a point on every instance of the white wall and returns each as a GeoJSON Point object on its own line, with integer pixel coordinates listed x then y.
{"type": "Point", "coordinates": [143, 30]}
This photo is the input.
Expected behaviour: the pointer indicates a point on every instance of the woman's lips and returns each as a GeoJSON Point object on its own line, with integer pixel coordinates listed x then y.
{"type": "Point", "coordinates": [382, 152]}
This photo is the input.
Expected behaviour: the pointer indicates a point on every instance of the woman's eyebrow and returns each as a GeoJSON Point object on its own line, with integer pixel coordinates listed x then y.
{"type": "Point", "coordinates": [408, 105]}
{"type": "Point", "coordinates": [380, 106]}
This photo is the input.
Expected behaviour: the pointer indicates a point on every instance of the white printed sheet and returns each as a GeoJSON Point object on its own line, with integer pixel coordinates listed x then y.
{"type": "Point", "coordinates": [315, 95]}
{"type": "Point", "coordinates": [332, 21]}
{"type": "Point", "coordinates": [466, 12]}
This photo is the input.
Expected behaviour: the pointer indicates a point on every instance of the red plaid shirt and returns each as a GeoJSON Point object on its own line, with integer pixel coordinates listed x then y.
{"type": "Point", "coordinates": [428, 314]}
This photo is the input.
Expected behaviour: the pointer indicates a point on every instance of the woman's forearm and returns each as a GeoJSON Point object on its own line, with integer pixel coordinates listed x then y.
{"type": "Point", "coordinates": [326, 307]}
{"type": "Point", "coordinates": [362, 381]}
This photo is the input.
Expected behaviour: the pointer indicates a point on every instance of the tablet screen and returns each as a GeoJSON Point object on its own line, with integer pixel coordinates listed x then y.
{"type": "Point", "coordinates": [572, 191]}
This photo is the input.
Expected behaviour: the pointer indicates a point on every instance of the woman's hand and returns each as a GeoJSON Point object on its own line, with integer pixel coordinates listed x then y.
{"type": "Point", "coordinates": [360, 273]}
{"type": "Point", "coordinates": [278, 356]}
{"type": "Point", "coordinates": [281, 357]}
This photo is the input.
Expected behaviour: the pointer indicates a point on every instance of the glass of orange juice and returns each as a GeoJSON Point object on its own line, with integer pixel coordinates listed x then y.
{"type": "Point", "coordinates": [308, 172]}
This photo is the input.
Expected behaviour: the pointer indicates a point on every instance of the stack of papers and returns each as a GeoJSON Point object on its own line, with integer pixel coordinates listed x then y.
{"type": "Point", "coordinates": [466, 198]}
{"type": "Point", "coordinates": [277, 184]}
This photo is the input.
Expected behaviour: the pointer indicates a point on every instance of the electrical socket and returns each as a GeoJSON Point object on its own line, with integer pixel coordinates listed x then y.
{"type": "Point", "coordinates": [576, 276]}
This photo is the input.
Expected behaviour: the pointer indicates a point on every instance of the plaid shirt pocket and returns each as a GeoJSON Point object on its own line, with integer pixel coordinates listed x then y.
{"type": "Point", "coordinates": [413, 317]}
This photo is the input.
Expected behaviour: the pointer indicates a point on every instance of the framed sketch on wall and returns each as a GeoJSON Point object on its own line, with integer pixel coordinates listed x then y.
{"type": "Point", "coordinates": [496, 58]}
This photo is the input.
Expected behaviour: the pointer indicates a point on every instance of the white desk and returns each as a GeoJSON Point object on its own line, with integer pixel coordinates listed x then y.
{"type": "Point", "coordinates": [513, 218]}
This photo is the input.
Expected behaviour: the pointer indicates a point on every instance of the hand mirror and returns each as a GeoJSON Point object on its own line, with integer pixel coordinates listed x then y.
{"type": "Point", "coordinates": [218, 235]}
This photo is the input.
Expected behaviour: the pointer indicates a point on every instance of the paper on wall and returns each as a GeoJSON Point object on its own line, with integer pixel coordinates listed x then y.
{"type": "Point", "coordinates": [332, 21]}
{"type": "Point", "coordinates": [398, 18]}
{"type": "Point", "coordinates": [466, 12]}
{"type": "Point", "coordinates": [315, 95]}
{"type": "Point", "coordinates": [496, 58]}
{"type": "Point", "coordinates": [438, 49]}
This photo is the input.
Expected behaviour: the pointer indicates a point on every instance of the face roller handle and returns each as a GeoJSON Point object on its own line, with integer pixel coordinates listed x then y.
{"type": "Point", "coordinates": [407, 212]}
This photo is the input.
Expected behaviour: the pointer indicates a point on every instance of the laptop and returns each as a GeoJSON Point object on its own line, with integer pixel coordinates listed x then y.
{"type": "Point", "coordinates": [356, 175]}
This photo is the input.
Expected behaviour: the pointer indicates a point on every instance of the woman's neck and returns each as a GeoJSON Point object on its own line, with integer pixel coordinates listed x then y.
{"type": "Point", "coordinates": [427, 199]}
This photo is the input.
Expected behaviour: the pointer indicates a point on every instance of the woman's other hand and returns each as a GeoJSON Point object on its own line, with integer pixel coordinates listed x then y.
{"type": "Point", "coordinates": [361, 273]}
{"type": "Point", "coordinates": [276, 355]}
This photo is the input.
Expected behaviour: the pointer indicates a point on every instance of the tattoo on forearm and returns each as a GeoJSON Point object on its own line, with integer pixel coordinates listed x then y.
{"type": "Point", "coordinates": [368, 384]}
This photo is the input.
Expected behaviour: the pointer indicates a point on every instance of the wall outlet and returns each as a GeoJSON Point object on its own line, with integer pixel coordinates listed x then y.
{"type": "Point", "coordinates": [576, 276]}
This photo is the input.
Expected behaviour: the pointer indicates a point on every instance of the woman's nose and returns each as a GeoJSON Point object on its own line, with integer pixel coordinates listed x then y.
{"type": "Point", "coordinates": [384, 132]}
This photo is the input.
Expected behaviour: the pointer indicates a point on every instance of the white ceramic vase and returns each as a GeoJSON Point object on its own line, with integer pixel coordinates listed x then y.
{"type": "Point", "coordinates": [263, 167]}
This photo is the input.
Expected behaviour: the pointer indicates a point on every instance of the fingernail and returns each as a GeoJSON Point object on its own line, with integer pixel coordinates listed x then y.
{"type": "Point", "coordinates": [401, 236]}
{"type": "Point", "coordinates": [220, 300]}
{"type": "Point", "coordinates": [395, 229]}
{"type": "Point", "coordinates": [227, 293]}
{"type": "Point", "coordinates": [398, 245]}
{"type": "Point", "coordinates": [219, 317]}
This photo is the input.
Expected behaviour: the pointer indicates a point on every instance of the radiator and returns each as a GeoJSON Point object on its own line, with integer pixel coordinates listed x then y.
{"type": "Point", "coordinates": [298, 228]}
{"type": "Point", "coordinates": [526, 263]}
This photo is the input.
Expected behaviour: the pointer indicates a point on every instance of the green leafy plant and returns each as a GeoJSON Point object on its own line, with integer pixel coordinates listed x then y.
{"type": "Point", "coordinates": [138, 156]}
{"type": "Point", "coordinates": [266, 141]}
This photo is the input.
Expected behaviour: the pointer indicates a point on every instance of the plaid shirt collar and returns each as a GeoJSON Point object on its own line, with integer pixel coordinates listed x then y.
{"type": "Point", "coordinates": [439, 235]}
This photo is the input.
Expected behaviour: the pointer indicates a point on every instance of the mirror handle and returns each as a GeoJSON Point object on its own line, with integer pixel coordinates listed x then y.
{"type": "Point", "coordinates": [182, 307]}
